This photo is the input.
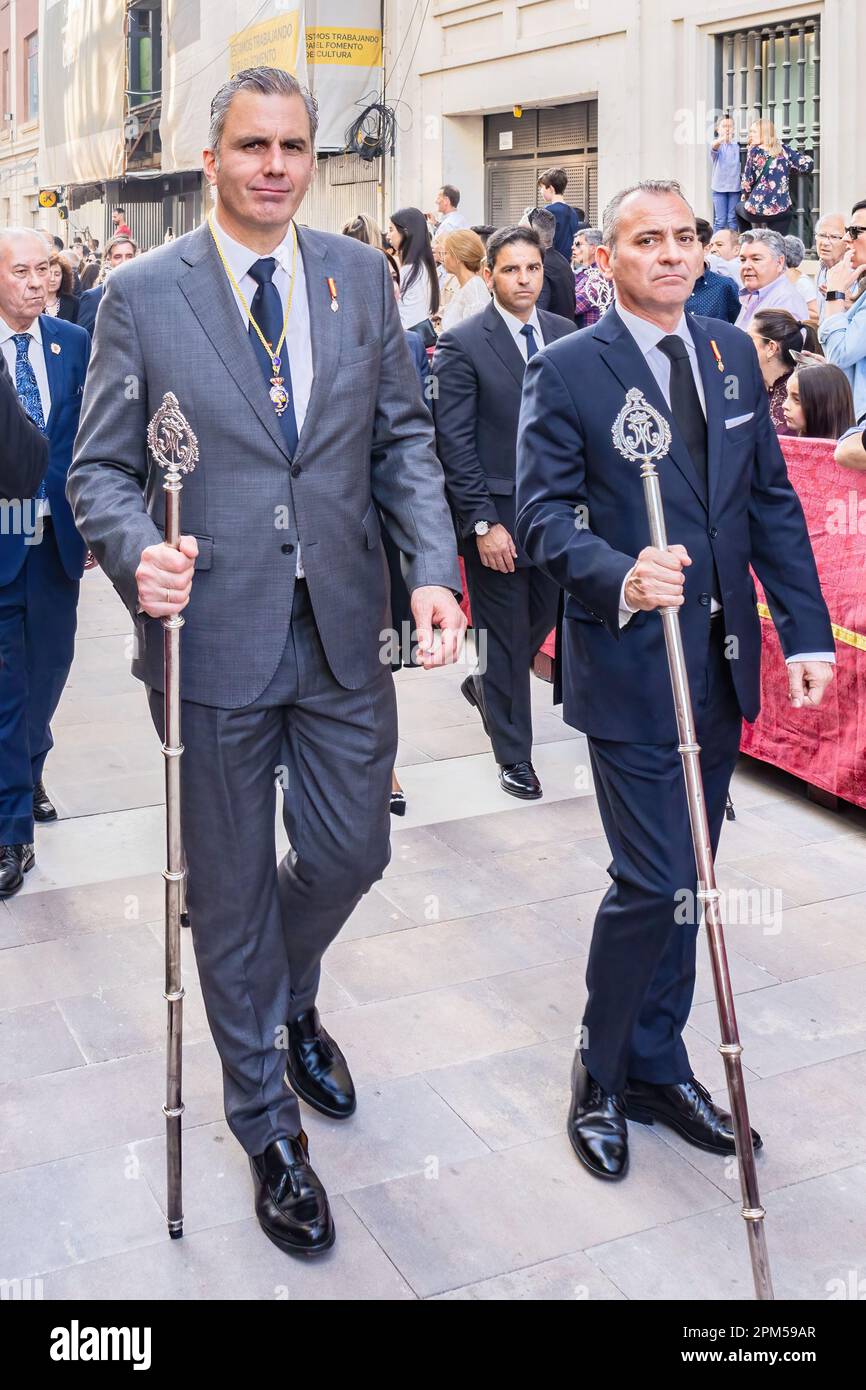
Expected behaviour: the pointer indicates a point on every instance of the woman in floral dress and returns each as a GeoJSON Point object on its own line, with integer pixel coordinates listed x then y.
{"type": "Point", "coordinates": [766, 192]}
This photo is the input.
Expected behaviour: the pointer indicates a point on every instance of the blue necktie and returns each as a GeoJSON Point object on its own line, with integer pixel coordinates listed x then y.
{"type": "Point", "coordinates": [531, 345]}
{"type": "Point", "coordinates": [267, 310]}
{"type": "Point", "coordinates": [27, 388]}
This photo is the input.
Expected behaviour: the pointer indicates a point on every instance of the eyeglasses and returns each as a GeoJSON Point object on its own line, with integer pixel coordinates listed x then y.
{"type": "Point", "coordinates": [854, 232]}
{"type": "Point", "coordinates": [829, 236]}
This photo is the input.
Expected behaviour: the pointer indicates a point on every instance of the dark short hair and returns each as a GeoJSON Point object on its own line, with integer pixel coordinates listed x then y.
{"type": "Point", "coordinates": [543, 221]}
{"type": "Point", "coordinates": [858, 207]}
{"type": "Point", "coordinates": [557, 179]}
{"type": "Point", "coordinates": [484, 230]}
{"type": "Point", "coordinates": [120, 209]}
{"type": "Point", "coordinates": [704, 231]}
{"type": "Point", "coordinates": [510, 236]}
{"type": "Point", "coordinates": [451, 193]}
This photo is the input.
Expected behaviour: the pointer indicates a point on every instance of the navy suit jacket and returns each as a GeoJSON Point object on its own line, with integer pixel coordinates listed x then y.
{"type": "Point", "coordinates": [476, 407]}
{"type": "Point", "coordinates": [615, 681]}
{"type": "Point", "coordinates": [87, 307]}
{"type": "Point", "coordinates": [23, 447]}
{"type": "Point", "coordinates": [67, 352]}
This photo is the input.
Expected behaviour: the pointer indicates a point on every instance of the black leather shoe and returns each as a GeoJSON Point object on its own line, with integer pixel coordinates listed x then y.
{"type": "Point", "coordinates": [687, 1108]}
{"type": "Point", "coordinates": [15, 862]}
{"type": "Point", "coordinates": [398, 803]}
{"type": "Point", "coordinates": [317, 1070]}
{"type": "Point", "coordinates": [470, 689]}
{"type": "Point", "coordinates": [596, 1126]}
{"type": "Point", "coordinates": [291, 1203]}
{"type": "Point", "coordinates": [520, 779]}
{"type": "Point", "coordinates": [42, 807]}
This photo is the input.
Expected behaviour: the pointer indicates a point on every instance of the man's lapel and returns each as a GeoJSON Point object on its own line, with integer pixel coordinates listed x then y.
{"type": "Point", "coordinates": [628, 364]}
{"type": "Point", "coordinates": [326, 325]}
{"type": "Point", "coordinates": [208, 293]}
{"type": "Point", "coordinates": [55, 368]}
{"type": "Point", "coordinates": [503, 344]}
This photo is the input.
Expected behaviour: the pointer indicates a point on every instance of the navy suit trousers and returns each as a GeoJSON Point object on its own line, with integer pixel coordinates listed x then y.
{"type": "Point", "coordinates": [38, 614]}
{"type": "Point", "coordinates": [641, 969]}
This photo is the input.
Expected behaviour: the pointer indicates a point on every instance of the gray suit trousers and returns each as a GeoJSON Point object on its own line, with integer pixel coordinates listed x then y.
{"type": "Point", "coordinates": [260, 928]}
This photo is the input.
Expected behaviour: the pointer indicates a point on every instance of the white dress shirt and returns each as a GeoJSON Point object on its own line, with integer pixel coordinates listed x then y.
{"type": "Point", "coordinates": [36, 356]}
{"type": "Point", "coordinates": [515, 327]}
{"type": "Point", "coordinates": [298, 341]}
{"type": "Point", "coordinates": [451, 222]}
{"type": "Point", "coordinates": [647, 336]}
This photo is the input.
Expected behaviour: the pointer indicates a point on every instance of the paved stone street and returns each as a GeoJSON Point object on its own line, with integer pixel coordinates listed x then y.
{"type": "Point", "coordinates": [454, 990]}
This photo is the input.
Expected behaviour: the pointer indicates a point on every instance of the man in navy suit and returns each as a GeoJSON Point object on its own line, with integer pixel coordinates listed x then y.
{"type": "Point", "coordinates": [41, 552]}
{"type": "Point", "coordinates": [479, 367]}
{"type": "Point", "coordinates": [581, 517]}
{"type": "Point", "coordinates": [119, 250]}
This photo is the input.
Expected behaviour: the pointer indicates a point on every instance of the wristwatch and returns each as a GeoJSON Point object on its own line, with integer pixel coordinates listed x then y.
{"type": "Point", "coordinates": [834, 294]}
{"type": "Point", "coordinates": [481, 528]}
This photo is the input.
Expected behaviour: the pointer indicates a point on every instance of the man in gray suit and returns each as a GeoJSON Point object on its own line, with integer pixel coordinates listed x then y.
{"type": "Point", "coordinates": [284, 349]}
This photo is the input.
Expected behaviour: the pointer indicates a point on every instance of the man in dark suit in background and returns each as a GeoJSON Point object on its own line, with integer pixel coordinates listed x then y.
{"type": "Point", "coordinates": [479, 367]}
{"type": "Point", "coordinates": [557, 292]}
{"type": "Point", "coordinates": [42, 560]}
{"type": "Point", "coordinates": [24, 455]}
{"type": "Point", "coordinates": [728, 504]}
{"type": "Point", "coordinates": [118, 251]}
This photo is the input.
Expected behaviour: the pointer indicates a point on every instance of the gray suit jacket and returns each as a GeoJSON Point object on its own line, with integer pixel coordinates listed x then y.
{"type": "Point", "coordinates": [169, 322]}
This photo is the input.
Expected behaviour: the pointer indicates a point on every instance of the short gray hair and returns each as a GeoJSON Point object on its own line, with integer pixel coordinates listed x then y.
{"type": "Point", "coordinates": [267, 82]}
{"type": "Point", "coordinates": [795, 252]}
{"type": "Point", "coordinates": [591, 235]}
{"type": "Point", "coordinates": [767, 237]}
{"type": "Point", "coordinates": [544, 222]}
{"type": "Point", "coordinates": [658, 187]}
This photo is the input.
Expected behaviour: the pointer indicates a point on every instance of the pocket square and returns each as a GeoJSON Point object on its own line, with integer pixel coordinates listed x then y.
{"type": "Point", "coordinates": [739, 420]}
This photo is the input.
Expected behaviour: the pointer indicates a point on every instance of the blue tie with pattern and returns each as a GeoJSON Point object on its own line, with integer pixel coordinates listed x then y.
{"type": "Point", "coordinates": [27, 388]}
{"type": "Point", "coordinates": [267, 310]}
{"type": "Point", "coordinates": [531, 345]}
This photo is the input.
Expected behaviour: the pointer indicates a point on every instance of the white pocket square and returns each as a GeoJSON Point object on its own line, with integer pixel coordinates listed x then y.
{"type": "Point", "coordinates": [738, 420]}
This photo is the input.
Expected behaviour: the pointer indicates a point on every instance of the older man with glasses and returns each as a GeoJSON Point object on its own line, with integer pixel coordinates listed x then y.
{"type": "Point", "coordinates": [765, 283]}
{"type": "Point", "coordinates": [843, 327]}
{"type": "Point", "coordinates": [830, 247]}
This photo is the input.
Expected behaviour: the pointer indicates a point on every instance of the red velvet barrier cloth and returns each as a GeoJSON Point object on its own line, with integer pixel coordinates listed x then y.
{"type": "Point", "coordinates": [827, 746]}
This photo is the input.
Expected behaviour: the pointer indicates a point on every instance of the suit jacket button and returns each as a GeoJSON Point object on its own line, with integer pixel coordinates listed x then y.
{"type": "Point", "coordinates": [703, 600]}
{"type": "Point", "coordinates": [296, 469]}
{"type": "Point", "coordinates": [287, 548]}
{"type": "Point", "coordinates": [713, 533]}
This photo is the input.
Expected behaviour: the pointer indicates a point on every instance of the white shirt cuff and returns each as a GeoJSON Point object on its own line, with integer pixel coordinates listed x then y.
{"type": "Point", "coordinates": [626, 612]}
{"type": "Point", "coordinates": [812, 656]}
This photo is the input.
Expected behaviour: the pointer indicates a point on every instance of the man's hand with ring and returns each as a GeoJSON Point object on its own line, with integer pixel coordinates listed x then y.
{"type": "Point", "coordinates": [164, 577]}
{"type": "Point", "coordinates": [656, 579]}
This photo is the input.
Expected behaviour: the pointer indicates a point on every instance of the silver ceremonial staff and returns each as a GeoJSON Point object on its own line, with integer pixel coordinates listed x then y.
{"type": "Point", "coordinates": [643, 435]}
{"type": "Point", "coordinates": [175, 449]}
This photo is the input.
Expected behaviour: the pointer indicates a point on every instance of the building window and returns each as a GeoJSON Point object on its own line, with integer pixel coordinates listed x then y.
{"type": "Point", "coordinates": [774, 71]}
{"type": "Point", "coordinates": [518, 149]}
{"type": "Point", "coordinates": [31, 52]}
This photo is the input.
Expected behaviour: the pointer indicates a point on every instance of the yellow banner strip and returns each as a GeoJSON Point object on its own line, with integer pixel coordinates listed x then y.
{"type": "Point", "coordinates": [842, 634]}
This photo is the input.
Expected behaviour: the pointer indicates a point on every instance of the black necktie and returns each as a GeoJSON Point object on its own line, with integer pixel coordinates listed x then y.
{"type": "Point", "coordinates": [531, 345]}
{"type": "Point", "coordinates": [686, 405]}
{"type": "Point", "coordinates": [267, 310]}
